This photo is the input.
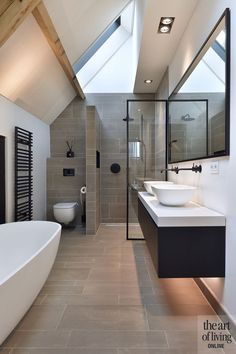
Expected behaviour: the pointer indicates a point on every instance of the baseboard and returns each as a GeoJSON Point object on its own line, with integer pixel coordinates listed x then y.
{"type": "Point", "coordinates": [218, 308]}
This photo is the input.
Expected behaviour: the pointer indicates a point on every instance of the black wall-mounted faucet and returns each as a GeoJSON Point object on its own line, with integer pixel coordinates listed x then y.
{"type": "Point", "coordinates": [194, 168]}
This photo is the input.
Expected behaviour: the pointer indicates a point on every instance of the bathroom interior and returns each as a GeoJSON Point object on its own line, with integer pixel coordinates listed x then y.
{"type": "Point", "coordinates": [117, 162]}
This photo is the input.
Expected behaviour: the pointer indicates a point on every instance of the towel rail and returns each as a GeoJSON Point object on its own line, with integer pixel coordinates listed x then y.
{"type": "Point", "coordinates": [23, 175]}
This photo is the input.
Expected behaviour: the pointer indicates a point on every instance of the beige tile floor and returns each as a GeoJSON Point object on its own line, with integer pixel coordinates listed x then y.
{"type": "Point", "coordinates": [103, 297]}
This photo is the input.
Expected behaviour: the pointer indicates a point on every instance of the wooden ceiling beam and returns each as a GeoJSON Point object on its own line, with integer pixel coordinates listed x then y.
{"type": "Point", "coordinates": [4, 4]}
{"type": "Point", "coordinates": [13, 13]}
{"type": "Point", "coordinates": [44, 21]}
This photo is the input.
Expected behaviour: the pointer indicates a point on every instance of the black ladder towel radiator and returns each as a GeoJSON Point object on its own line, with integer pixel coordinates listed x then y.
{"type": "Point", "coordinates": [23, 174]}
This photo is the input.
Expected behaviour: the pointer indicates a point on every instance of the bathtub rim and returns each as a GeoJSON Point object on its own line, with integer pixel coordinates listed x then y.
{"type": "Point", "coordinates": [28, 260]}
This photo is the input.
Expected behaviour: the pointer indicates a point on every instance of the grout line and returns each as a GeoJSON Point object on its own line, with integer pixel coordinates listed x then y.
{"type": "Point", "coordinates": [146, 315]}
{"type": "Point", "coordinates": [119, 298]}
{"type": "Point", "coordinates": [43, 299]}
{"type": "Point", "coordinates": [167, 341]}
{"type": "Point", "coordinates": [60, 318]}
{"type": "Point", "coordinates": [89, 273]}
{"type": "Point", "coordinates": [68, 338]}
{"type": "Point", "coordinates": [82, 293]}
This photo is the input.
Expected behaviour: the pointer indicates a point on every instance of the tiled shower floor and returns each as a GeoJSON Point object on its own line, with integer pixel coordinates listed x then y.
{"type": "Point", "coordinates": [103, 297]}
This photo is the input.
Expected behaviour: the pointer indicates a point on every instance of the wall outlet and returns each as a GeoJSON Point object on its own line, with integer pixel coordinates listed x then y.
{"type": "Point", "coordinates": [214, 167]}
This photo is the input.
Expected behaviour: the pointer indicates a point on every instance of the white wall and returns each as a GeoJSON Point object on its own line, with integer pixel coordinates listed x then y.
{"type": "Point", "coordinates": [215, 191]}
{"type": "Point", "coordinates": [31, 75]}
{"type": "Point", "coordinates": [10, 116]}
{"type": "Point", "coordinates": [139, 12]}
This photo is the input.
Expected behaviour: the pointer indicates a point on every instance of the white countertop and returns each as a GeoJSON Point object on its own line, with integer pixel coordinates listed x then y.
{"type": "Point", "coordinates": [192, 214]}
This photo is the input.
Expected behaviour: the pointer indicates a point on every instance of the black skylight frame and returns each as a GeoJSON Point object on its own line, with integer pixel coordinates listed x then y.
{"type": "Point", "coordinates": [96, 45]}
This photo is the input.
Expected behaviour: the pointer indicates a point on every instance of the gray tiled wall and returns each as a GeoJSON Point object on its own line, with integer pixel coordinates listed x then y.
{"type": "Point", "coordinates": [70, 125]}
{"type": "Point", "coordinates": [112, 109]}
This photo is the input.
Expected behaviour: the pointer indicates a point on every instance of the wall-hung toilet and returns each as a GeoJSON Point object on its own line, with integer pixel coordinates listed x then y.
{"type": "Point", "coordinates": [65, 212]}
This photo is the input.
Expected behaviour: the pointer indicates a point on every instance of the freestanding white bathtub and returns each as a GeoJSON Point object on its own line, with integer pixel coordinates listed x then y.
{"type": "Point", "coordinates": [27, 253]}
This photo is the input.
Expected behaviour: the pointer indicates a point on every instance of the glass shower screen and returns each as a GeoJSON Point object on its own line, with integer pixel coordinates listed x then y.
{"type": "Point", "coordinates": [146, 154]}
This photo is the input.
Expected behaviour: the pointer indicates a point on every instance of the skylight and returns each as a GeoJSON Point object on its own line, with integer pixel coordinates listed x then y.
{"type": "Point", "coordinates": [94, 61]}
{"type": "Point", "coordinates": [96, 45]}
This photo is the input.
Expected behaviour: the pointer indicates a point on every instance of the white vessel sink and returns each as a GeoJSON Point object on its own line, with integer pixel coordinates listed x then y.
{"type": "Point", "coordinates": [148, 185]}
{"type": "Point", "coordinates": [173, 194]}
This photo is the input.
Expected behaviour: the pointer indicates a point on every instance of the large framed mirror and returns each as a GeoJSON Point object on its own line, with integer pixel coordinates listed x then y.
{"type": "Point", "coordinates": [199, 107]}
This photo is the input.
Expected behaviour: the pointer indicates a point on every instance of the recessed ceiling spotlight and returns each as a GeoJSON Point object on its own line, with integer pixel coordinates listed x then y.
{"type": "Point", "coordinates": [167, 20]}
{"type": "Point", "coordinates": [165, 24]}
{"type": "Point", "coordinates": [164, 29]}
{"type": "Point", "coordinates": [148, 81]}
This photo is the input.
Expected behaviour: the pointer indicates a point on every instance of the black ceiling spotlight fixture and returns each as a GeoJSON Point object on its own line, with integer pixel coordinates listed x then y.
{"type": "Point", "coordinates": [165, 24]}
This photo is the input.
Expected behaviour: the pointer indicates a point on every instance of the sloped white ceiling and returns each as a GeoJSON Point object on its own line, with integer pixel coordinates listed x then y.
{"type": "Point", "coordinates": [157, 50]}
{"type": "Point", "coordinates": [31, 75]}
{"type": "Point", "coordinates": [80, 22]}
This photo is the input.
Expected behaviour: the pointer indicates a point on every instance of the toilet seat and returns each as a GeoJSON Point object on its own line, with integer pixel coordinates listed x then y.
{"type": "Point", "coordinates": [65, 205]}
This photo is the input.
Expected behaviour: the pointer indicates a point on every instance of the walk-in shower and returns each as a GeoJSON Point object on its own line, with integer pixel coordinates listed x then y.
{"type": "Point", "coordinates": [155, 135]}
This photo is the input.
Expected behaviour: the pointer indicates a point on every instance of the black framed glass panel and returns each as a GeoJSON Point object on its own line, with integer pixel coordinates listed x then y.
{"type": "Point", "coordinates": [146, 154]}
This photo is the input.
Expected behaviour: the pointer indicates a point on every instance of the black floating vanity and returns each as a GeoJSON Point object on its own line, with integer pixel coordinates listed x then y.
{"type": "Point", "coordinates": [184, 242]}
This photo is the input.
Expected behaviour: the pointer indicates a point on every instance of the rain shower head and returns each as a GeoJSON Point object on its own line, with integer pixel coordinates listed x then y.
{"type": "Point", "coordinates": [187, 118]}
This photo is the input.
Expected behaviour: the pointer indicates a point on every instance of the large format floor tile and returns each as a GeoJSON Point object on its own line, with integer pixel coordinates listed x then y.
{"type": "Point", "coordinates": [104, 318]}
{"type": "Point", "coordinates": [114, 339]}
{"type": "Point", "coordinates": [104, 297]}
{"type": "Point", "coordinates": [39, 339]}
{"type": "Point", "coordinates": [42, 318]}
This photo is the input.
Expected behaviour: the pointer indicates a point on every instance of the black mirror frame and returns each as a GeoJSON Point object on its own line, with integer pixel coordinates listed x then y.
{"type": "Point", "coordinates": [226, 15]}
